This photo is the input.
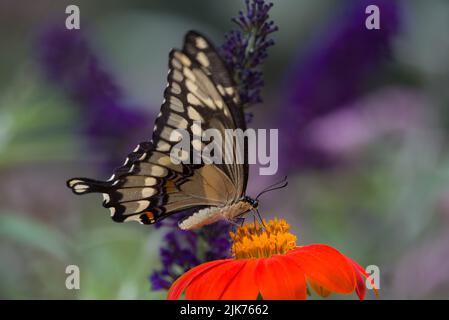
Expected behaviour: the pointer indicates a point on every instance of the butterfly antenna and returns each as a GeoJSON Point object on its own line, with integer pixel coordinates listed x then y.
{"type": "Point", "coordinates": [274, 186]}
{"type": "Point", "coordinates": [276, 183]}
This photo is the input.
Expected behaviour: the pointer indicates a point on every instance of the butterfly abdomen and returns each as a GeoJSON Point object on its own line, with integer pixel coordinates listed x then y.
{"type": "Point", "coordinates": [201, 218]}
{"type": "Point", "coordinates": [213, 214]}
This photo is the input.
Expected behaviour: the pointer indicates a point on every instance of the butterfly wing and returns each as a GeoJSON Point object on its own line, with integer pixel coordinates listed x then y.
{"type": "Point", "coordinates": [149, 187]}
{"type": "Point", "coordinates": [220, 96]}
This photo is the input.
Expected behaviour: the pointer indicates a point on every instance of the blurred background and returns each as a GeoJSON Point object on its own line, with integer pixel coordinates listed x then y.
{"type": "Point", "coordinates": [363, 119]}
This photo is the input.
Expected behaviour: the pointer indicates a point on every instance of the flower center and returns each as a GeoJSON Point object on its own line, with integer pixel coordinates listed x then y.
{"type": "Point", "coordinates": [252, 240]}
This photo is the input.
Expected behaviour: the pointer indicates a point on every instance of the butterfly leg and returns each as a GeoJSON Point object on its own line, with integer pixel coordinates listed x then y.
{"type": "Point", "coordinates": [242, 221]}
{"type": "Point", "coordinates": [260, 218]}
{"type": "Point", "coordinates": [256, 216]}
{"type": "Point", "coordinates": [236, 221]}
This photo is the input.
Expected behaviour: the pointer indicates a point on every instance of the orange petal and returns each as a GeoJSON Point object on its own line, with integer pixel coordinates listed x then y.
{"type": "Point", "coordinates": [322, 292]}
{"type": "Point", "coordinates": [325, 266]}
{"type": "Point", "coordinates": [213, 282]}
{"type": "Point", "coordinates": [183, 281]}
{"type": "Point", "coordinates": [243, 286]}
{"type": "Point", "coordinates": [361, 275]}
{"type": "Point", "coordinates": [279, 278]}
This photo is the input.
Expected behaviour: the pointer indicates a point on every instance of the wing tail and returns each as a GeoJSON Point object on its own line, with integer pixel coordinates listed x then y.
{"type": "Point", "coordinates": [85, 185]}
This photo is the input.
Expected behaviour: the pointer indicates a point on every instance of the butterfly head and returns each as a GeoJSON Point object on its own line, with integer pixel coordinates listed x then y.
{"type": "Point", "coordinates": [254, 203]}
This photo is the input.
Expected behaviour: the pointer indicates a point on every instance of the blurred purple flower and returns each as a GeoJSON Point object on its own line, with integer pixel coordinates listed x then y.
{"type": "Point", "coordinates": [245, 49]}
{"type": "Point", "coordinates": [68, 62]}
{"type": "Point", "coordinates": [335, 70]}
{"type": "Point", "coordinates": [391, 110]}
{"type": "Point", "coordinates": [421, 273]}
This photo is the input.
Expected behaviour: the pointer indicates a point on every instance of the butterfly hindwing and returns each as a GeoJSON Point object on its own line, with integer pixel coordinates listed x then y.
{"type": "Point", "coordinates": [137, 188]}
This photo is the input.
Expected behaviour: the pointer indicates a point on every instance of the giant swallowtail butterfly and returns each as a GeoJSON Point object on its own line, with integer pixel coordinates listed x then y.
{"type": "Point", "coordinates": [149, 186]}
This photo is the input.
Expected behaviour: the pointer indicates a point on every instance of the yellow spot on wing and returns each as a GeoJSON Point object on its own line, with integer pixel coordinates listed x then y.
{"type": "Point", "coordinates": [201, 43]}
{"type": "Point", "coordinates": [202, 58]}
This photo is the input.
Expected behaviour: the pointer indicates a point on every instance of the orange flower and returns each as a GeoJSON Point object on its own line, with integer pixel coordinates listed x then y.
{"type": "Point", "coordinates": [268, 263]}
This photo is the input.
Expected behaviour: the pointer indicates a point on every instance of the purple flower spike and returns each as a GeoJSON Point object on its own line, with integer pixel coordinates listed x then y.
{"type": "Point", "coordinates": [245, 49]}
{"type": "Point", "coordinates": [158, 281]}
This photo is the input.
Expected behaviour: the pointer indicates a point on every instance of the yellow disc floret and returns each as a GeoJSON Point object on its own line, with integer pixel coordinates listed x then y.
{"type": "Point", "coordinates": [253, 240]}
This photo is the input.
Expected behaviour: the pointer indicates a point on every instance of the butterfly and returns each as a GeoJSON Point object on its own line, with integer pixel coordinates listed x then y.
{"type": "Point", "coordinates": [149, 187]}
